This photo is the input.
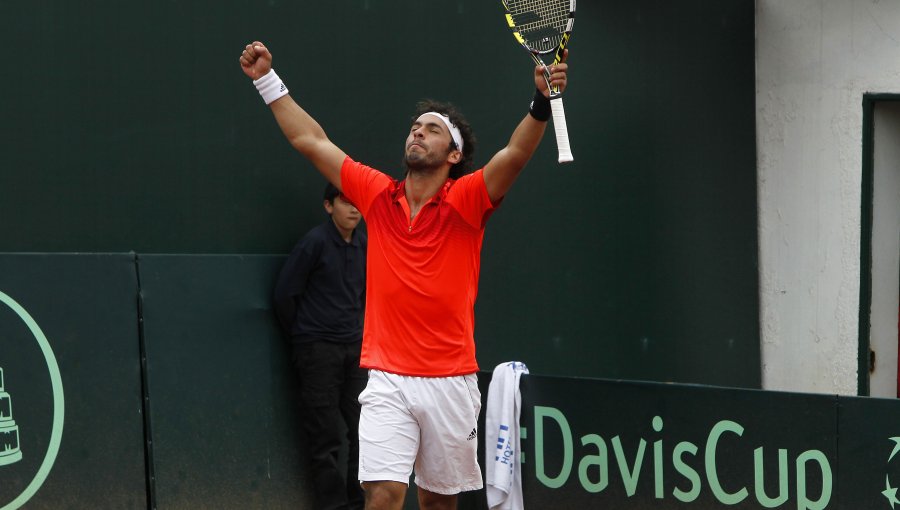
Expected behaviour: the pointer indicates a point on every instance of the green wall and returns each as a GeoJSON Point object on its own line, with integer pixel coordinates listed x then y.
{"type": "Point", "coordinates": [84, 308]}
{"type": "Point", "coordinates": [128, 126]}
{"type": "Point", "coordinates": [170, 388]}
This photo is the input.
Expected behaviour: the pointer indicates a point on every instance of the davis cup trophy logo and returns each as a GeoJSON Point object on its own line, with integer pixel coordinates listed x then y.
{"type": "Point", "coordinates": [9, 431]}
{"type": "Point", "coordinates": [11, 450]}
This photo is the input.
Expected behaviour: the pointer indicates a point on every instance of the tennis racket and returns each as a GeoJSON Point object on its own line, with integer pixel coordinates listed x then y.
{"type": "Point", "coordinates": [543, 27]}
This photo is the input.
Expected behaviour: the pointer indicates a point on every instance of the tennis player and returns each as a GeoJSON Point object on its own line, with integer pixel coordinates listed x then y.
{"type": "Point", "coordinates": [420, 407]}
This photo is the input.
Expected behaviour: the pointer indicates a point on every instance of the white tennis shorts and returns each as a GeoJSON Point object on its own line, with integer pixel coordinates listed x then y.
{"type": "Point", "coordinates": [429, 423]}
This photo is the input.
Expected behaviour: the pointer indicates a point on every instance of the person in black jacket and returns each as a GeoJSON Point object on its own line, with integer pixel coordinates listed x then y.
{"type": "Point", "coordinates": [320, 302]}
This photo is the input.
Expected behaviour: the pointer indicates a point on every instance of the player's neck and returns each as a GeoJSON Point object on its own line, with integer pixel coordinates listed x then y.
{"type": "Point", "coordinates": [422, 185]}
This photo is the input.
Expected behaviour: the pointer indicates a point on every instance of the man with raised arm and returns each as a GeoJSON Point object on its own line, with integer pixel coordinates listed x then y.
{"type": "Point", "coordinates": [420, 407]}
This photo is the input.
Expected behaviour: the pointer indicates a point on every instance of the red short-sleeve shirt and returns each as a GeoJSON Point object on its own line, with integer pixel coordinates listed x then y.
{"type": "Point", "coordinates": [422, 275]}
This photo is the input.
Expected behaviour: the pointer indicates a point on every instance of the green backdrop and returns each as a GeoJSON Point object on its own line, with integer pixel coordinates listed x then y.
{"type": "Point", "coordinates": [178, 394]}
{"type": "Point", "coordinates": [128, 126]}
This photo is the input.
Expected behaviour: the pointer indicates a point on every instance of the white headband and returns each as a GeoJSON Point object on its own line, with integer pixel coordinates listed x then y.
{"type": "Point", "coordinates": [454, 131]}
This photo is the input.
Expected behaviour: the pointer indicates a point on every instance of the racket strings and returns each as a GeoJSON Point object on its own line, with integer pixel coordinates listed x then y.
{"type": "Point", "coordinates": [539, 22]}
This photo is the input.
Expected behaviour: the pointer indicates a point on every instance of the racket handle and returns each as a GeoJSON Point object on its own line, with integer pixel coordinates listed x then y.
{"type": "Point", "coordinates": [562, 132]}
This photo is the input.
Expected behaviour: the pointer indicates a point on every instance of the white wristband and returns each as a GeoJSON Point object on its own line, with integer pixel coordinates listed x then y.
{"type": "Point", "coordinates": [270, 87]}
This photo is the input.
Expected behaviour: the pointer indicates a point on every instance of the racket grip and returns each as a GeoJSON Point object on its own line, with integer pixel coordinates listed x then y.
{"type": "Point", "coordinates": [562, 132]}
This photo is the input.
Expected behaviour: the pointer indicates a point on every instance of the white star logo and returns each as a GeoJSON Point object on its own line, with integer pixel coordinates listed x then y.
{"type": "Point", "coordinates": [896, 441]}
{"type": "Point", "coordinates": [891, 492]}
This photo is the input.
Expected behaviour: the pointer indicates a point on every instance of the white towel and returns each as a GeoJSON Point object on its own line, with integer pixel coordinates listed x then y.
{"type": "Point", "coordinates": [503, 468]}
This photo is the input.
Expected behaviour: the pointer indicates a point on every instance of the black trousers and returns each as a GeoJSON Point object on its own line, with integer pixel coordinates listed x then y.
{"type": "Point", "coordinates": [330, 384]}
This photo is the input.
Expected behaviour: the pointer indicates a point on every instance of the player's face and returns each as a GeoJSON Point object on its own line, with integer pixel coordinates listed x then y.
{"type": "Point", "coordinates": [428, 143]}
{"type": "Point", "coordinates": [344, 214]}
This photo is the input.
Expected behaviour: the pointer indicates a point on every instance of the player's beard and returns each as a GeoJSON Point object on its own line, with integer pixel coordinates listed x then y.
{"type": "Point", "coordinates": [423, 162]}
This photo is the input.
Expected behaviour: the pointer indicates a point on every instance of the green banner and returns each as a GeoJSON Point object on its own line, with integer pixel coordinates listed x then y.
{"type": "Point", "coordinates": [161, 380]}
{"type": "Point", "coordinates": [71, 432]}
{"type": "Point", "coordinates": [225, 423]}
{"type": "Point", "coordinates": [628, 445]}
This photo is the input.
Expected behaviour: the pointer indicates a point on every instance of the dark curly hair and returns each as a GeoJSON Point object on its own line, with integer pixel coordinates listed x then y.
{"type": "Point", "coordinates": [465, 130]}
{"type": "Point", "coordinates": [330, 193]}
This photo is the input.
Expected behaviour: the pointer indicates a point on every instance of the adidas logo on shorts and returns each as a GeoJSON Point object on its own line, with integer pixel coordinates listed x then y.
{"type": "Point", "coordinates": [472, 435]}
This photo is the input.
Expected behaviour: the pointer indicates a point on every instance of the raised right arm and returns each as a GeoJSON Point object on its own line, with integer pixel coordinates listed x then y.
{"type": "Point", "coordinates": [301, 130]}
